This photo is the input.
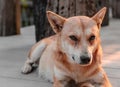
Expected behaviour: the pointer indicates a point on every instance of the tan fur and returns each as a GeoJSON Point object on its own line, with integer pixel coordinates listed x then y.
{"type": "Point", "coordinates": [60, 59]}
{"type": "Point", "coordinates": [46, 40]}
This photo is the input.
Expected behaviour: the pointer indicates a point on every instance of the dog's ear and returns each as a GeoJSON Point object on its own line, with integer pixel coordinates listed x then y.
{"type": "Point", "coordinates": [55, 21]}
{"type": "Point", "coordinates": [99, 16]}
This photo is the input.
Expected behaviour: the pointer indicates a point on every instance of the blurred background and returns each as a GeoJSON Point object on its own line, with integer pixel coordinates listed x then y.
{"type": "Point", "coordinates": [24, 22]}
{"type": "Point", "coordinates": [15, 14]}
{"type": "Point", "coordinates": [26, 13]}
{"type": "Point", "coordinates": [27, 10]}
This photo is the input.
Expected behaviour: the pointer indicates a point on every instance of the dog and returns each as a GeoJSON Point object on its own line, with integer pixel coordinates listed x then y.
{"type": "Point", "coordinates": [73, 55]}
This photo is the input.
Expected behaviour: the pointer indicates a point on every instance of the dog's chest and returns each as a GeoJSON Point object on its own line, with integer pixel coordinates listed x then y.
{"type": "Point", "coordinates": [95, 81]}
{"type": "Point", "coordinates": [78, 76]}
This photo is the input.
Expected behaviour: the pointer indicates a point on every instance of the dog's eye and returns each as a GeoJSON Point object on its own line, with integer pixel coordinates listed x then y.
{"type": "Point", "coordinates": [72, 37]}
{"type": "Point", "coordinates": [91, 38]}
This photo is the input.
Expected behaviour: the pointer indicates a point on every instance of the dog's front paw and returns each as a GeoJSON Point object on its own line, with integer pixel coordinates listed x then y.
{"type": "Point", "coordinates": [26, 69]}
{"type": "Point", "coordinates": [87, 85]}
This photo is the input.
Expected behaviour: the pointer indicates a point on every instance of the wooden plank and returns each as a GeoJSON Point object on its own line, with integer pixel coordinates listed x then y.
{"type": "Point", "coordinates": [50, 6]}
{"type": "Point", "coordinates": [55, 6]}
{"type": "Point", "coordinates": [80, 7]}
{"type": "Point", "coordinates": [8, 18]}
{"type": "Point", "coordinates": [63, 8]}
{"type": "Point", "coordinates": [115, 82]}
{"type": "Point", "coordinates": [113, 72]}
{"type": "Point", "coordinates": [90, 7]}
{"type": "Point", "coordinates": [85, 7]}
{"type": "Point", "coordinates": [1, 16]}
{"type": "Point", "coordinates": [18, 15]}
{"type": "Point", "coordinates": [115, 8]}
{"type": "Point", "coordinates": [72, 7]}
{"type": "Point", "coordinates": [39, 10]}
{"type": "Point", "coordinates": [104, 3]}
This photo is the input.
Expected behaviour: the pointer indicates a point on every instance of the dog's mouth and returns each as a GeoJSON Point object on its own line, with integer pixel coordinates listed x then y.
{"type": "Point", "coordinates": [85, 64]}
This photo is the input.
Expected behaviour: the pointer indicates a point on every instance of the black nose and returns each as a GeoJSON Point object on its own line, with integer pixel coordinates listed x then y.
{"type": "Point", "coordinates": [85, 59]}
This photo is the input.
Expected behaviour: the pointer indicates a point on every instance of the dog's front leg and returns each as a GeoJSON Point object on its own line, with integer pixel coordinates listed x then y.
{"type": "Point", "coordinates": [67, 82]}
{"type": "Point", "coordinates": [61, 78]}
{"type": "Point", "coordinates": [33, 57]}
{"type": "Point", "coordinates": [57, 83]}
{"type": "Point", "coordinates": [87, 84]}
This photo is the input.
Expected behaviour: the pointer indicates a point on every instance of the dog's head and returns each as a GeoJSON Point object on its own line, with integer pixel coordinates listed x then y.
{"type": "Point", "coordinates": [78, 36]}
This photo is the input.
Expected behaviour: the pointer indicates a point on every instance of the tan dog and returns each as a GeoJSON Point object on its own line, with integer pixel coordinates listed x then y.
{"type": "Point", "coordinates": [73, 54]}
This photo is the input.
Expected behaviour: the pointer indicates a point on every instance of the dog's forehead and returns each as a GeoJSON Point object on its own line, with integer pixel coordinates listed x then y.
{"type": "Point", "coordinates": [78, 24]}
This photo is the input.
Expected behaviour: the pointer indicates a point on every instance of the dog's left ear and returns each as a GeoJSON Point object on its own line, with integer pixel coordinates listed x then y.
{"type": "Point", "coordinates": [55, 21]}
{"type": "Point", "coordinates": [99, 16]}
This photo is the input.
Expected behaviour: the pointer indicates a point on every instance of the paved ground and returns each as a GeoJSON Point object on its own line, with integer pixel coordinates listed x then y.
{"type": "Point", "coordinates": [13, 52]}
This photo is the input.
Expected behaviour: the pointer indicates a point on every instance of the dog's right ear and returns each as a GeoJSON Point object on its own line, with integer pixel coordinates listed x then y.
{"type": "Point", "coordinates": [99, 16]}
{"type": "Point", "coordinates": [55, 21]}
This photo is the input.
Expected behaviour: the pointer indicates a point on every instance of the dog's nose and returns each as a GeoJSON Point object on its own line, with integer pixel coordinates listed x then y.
{"type": "Point", "coordinates": [85, 59]}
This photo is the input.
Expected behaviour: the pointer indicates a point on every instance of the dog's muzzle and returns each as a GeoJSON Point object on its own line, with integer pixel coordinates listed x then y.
{"type": "Point", "coordinates": [85, 59]}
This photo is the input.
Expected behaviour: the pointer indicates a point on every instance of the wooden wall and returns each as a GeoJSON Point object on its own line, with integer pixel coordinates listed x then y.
{"type": "Point", "coordinates": [115, 8]}
{"type": "Point", "coordinates": [68, 8]}
{"type": "Point", "coordinates": [65, 8]}
{"type": "Point", "coordinates": [9, 17]}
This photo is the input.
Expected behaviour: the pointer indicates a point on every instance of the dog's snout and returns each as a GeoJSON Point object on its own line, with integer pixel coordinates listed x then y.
{"type": "Point", "coordinates": [85, 59]}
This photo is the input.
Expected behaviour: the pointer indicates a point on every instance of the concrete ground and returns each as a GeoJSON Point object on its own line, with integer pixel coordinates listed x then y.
{"type": "Point", "coordinates": [14, 49]}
